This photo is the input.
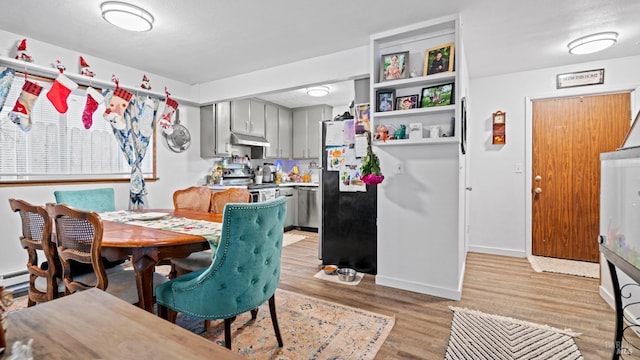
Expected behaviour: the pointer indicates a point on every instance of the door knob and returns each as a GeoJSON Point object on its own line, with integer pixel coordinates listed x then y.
{"type": "Point", "coordinates": [538, 190]}
{"type": "Point", "coordinates": [538, 178]}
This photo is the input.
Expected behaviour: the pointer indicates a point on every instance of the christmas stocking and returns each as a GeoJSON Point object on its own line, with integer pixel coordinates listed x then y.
{"type": "Point", "coordinates": [21, 113]}
{"type": "Point", "coordinates": [6, 79]}
{"type": "Point", "coordinates": [59, 93]}
{"type": "Point", "coordinates": [119, 101]}
{"type": "Point", "coordinates": [94, 99]}
{"type": "Point", "coordinates": [170, 108]}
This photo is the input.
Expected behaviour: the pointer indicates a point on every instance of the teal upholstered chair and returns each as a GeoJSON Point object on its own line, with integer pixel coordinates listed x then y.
{"type": "Point", "coordinates": [244, 274]}
{"type": "Point", "coordinates": [97, 200]}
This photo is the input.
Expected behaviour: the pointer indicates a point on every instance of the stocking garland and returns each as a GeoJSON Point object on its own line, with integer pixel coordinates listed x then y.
{"type": "Point", "coordinates": [119, 102]}
{"type": "Point", "coordinates": [21, 113]}
{"type": "Point", "coordinates": [94, 99]}
{"type": "Point", "coordinates": [170, 108]}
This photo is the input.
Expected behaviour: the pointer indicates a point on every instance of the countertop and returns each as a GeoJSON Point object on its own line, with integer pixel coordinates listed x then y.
{"type": "Point", "coordinates": [285, 184]}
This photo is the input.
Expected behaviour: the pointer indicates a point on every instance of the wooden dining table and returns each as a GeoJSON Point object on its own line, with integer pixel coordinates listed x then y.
{"type": "Point", "coordinates": [148, 246]}
{"type": "Point", "coordinates": [93, 324]}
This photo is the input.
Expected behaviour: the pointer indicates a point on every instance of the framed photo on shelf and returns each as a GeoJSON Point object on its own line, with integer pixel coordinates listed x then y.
{"type": "Point", "coordinates": [438, 59]}
{"type": "Point", "coordinates": [438, 95]}
{"type": "Point", "coordinates": [385, 100]}
{"type": "Point", "coordinates": [407, 102]}
{"type": "Point", "coordinates": [394, 66]}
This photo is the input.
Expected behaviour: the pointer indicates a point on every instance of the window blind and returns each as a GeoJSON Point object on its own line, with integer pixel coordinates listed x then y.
{"type": "Point", "coordinates": [58, 147]}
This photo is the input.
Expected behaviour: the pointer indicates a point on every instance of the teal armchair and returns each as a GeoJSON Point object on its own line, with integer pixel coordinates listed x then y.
{"type": "Point", "coordinates": [96, 200]}
{"type": "Point", "coordinates": [244, 274]}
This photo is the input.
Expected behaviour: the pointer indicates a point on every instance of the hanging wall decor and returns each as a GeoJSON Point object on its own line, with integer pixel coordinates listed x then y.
{"type": "Point", "coordinates": [499, 128]}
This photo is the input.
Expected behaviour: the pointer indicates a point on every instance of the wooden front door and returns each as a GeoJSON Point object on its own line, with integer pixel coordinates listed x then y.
{"type": "Point", "coordinates": [568, 136]}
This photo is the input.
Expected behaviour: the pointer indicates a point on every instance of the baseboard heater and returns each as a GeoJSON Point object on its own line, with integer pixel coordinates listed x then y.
{"type": "Point", "coordinates": [14, 278]}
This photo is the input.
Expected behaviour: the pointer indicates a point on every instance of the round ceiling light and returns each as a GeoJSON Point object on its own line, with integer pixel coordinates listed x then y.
{"type": "Point", "coordinates": [127, 16]}
{"type": "Point", "coordinates": [593, 43]}
{"type": "Point", "coordinates": [318, 91]}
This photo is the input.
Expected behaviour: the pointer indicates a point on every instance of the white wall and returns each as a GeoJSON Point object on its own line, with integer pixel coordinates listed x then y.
{"type": "Point", "coordinates": [501, 199]}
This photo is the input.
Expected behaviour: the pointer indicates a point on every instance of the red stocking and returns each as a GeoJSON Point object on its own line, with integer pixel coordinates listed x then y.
{"type": "Point", "coordinates": [59, 93]}
{"type": "Point", "coordinates": [119, 102]}
{"type": "Point", "coordinates": [94, 99]}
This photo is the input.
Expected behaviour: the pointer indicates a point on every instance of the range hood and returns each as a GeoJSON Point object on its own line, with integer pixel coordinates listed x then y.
{"type": "Point", "coordinates": [248, 140]}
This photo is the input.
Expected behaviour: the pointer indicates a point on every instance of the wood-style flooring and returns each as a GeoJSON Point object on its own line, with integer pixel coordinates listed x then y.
{"type": "Point", "coordinates": [493, 284]}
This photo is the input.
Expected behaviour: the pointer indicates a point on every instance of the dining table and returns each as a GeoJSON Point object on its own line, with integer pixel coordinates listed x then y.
{"type": "Point", "coordinates": [147, 246]}
{"type": "Point", "coordinates": [93, 324]}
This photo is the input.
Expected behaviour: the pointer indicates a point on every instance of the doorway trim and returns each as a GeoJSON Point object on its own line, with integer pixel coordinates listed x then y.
{"type": "Point", "coordinates": [528, 143]}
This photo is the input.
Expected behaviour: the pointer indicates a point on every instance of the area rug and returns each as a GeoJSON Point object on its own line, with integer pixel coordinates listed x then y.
{"type": "Point", "coordinates": [563, 266]}
{"type": "Point", "coordinates": [334, 278]}
{"type": "Point", "coordinates": [289, 239]}
{"type": "Point", "coordinates": [311, 329]}
{"type": "Point", "coordinates": [476, 335]}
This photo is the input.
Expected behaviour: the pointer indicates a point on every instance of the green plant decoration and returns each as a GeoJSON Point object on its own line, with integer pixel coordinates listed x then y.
{"type": "Point", "coordinates": [371, 174]}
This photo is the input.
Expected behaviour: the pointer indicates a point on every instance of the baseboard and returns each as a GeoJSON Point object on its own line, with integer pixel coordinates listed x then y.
{"type": "Point", "coordinates": [453, 294]}
{"type": "Point", "coordinates": [497, 251]}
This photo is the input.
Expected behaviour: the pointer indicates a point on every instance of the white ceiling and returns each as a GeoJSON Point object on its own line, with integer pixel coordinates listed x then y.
{"type": "Point", "coordinates": [197, 41]}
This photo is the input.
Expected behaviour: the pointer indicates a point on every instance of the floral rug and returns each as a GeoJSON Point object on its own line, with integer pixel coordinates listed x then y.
{"type": "Point", "coordinates": [311, 329]}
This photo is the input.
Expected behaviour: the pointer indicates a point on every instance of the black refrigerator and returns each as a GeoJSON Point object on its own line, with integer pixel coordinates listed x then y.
{"type": "Point", "coordinates": [348, 233]}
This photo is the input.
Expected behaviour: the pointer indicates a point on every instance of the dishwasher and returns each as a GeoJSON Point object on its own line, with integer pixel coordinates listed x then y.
{"type": "Point", "coordinates": [292, 207]}
{"type": "Point", "coordinates": [308, 207]}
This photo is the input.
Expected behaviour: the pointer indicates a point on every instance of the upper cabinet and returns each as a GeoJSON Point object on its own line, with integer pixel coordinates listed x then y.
{"type": "Point", "coordinates": [247, 117]}
{"type": "Point", "coordinates": [215, 134]}
{"type": "Point", "coordinates": [414, 84]}
{"type": "Point", "coordinates": [278, 132]}
{"type": "Point", "coordinates": [306, 130]}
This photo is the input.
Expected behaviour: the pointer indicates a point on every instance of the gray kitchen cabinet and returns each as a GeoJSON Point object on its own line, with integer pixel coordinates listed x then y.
{"type": "Point", "coordinates": [247, 117]}
{"type": "Point", "coordinates": [215, 133]}
{"type": "Point", "coordinates": [285, 133]}
{"type": "Point", "coordinates": [278, 131]}
{"type": "Point", "coordinates": [306, 130]}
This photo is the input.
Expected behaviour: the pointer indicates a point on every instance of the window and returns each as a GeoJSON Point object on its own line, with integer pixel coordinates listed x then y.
{"type": "Point", "coordinates": [59, 148]}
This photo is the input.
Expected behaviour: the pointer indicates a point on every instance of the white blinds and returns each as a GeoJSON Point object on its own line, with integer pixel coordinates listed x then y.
{"type": "Point", "coordinates": [58, 147]}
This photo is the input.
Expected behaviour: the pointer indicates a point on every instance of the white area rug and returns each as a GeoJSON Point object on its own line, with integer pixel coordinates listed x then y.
{"type": "Point", "coordinates": [334, 278]}
{"type": "Point", "coordinates": [289, 239]}
{"type": "Point", "coordinates": [563, 266]}
{"type": "Point", "coordinates": [476, 335]}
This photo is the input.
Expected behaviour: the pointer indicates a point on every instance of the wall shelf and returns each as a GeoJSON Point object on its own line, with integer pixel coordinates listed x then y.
{"type": "Point", "coordinates": [428, 80]}
{"type": "Point", "coordinates": [424, 141]}
{"type": "Point", "coordinates": [414, 112]}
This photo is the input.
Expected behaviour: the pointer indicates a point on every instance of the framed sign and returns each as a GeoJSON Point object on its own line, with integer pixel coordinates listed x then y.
{"type": "Point", "coordinates": [581, 78]}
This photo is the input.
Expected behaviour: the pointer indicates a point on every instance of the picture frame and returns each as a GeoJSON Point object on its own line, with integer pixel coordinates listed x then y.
{"type": "Point", "coordinates": [385, 99]}
{"type": "Point", "coordinates": [439, 59]}
{"type": "Point", "coordinates": [407, 102]}
{"type": "Point", "coordinates": [438, 95]}
{"type": "Point", "coordinates": [394, 66]}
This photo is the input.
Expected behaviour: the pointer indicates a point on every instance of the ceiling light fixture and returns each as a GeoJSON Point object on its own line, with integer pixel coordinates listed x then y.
{"type": "Point", "coordinates": [593, 43]}
{"type": "Point", "coordinates": [318, 91]}
{"type": "Point", "coordinates": [127, 16]}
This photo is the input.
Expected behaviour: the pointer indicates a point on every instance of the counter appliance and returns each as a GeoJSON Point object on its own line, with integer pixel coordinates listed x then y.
{"type": "Point", "coordinates": [269, 173]}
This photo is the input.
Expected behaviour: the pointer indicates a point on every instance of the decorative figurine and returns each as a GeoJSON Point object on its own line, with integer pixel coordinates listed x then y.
{"type": "Point", "coordinates": [22, 52]}
{"type": "Point", "coordinates": [401, 133]}
{"type": "Point", "coordinates": [58, 65]}
{"type": "Point", "coordinates": [145, 83]}
{"type": "Point", "coordinates": [84, 68]}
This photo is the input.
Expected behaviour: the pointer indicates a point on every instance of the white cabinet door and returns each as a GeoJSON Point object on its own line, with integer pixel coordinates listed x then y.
{"type": "Point", "coordinates": [271, 131]}
{"type": "Point", "coordinates": [256, 118]}
{"type": "Point", "coordinates": [285, 133]}
{"type": "Point", "coordinates": [299, 134]}
{"type": "Point", "coordinates": [240, 116]}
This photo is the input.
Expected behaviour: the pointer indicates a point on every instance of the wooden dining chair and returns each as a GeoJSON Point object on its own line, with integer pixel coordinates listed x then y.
{"type": "Point", "coordinates": [79, 237]}
{"type": "Point", "coordinates": [201, 259]}
{"type": "Point", "coordinates": [196, 198]}
{"type": "Point", "coordinates": [44, 279]}
{"type": "Point", "coordinates": [244, 274]}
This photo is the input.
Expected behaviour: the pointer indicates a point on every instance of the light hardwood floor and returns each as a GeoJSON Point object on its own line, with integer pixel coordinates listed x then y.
{"type": "Point", "coordinates": [493, 284]}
